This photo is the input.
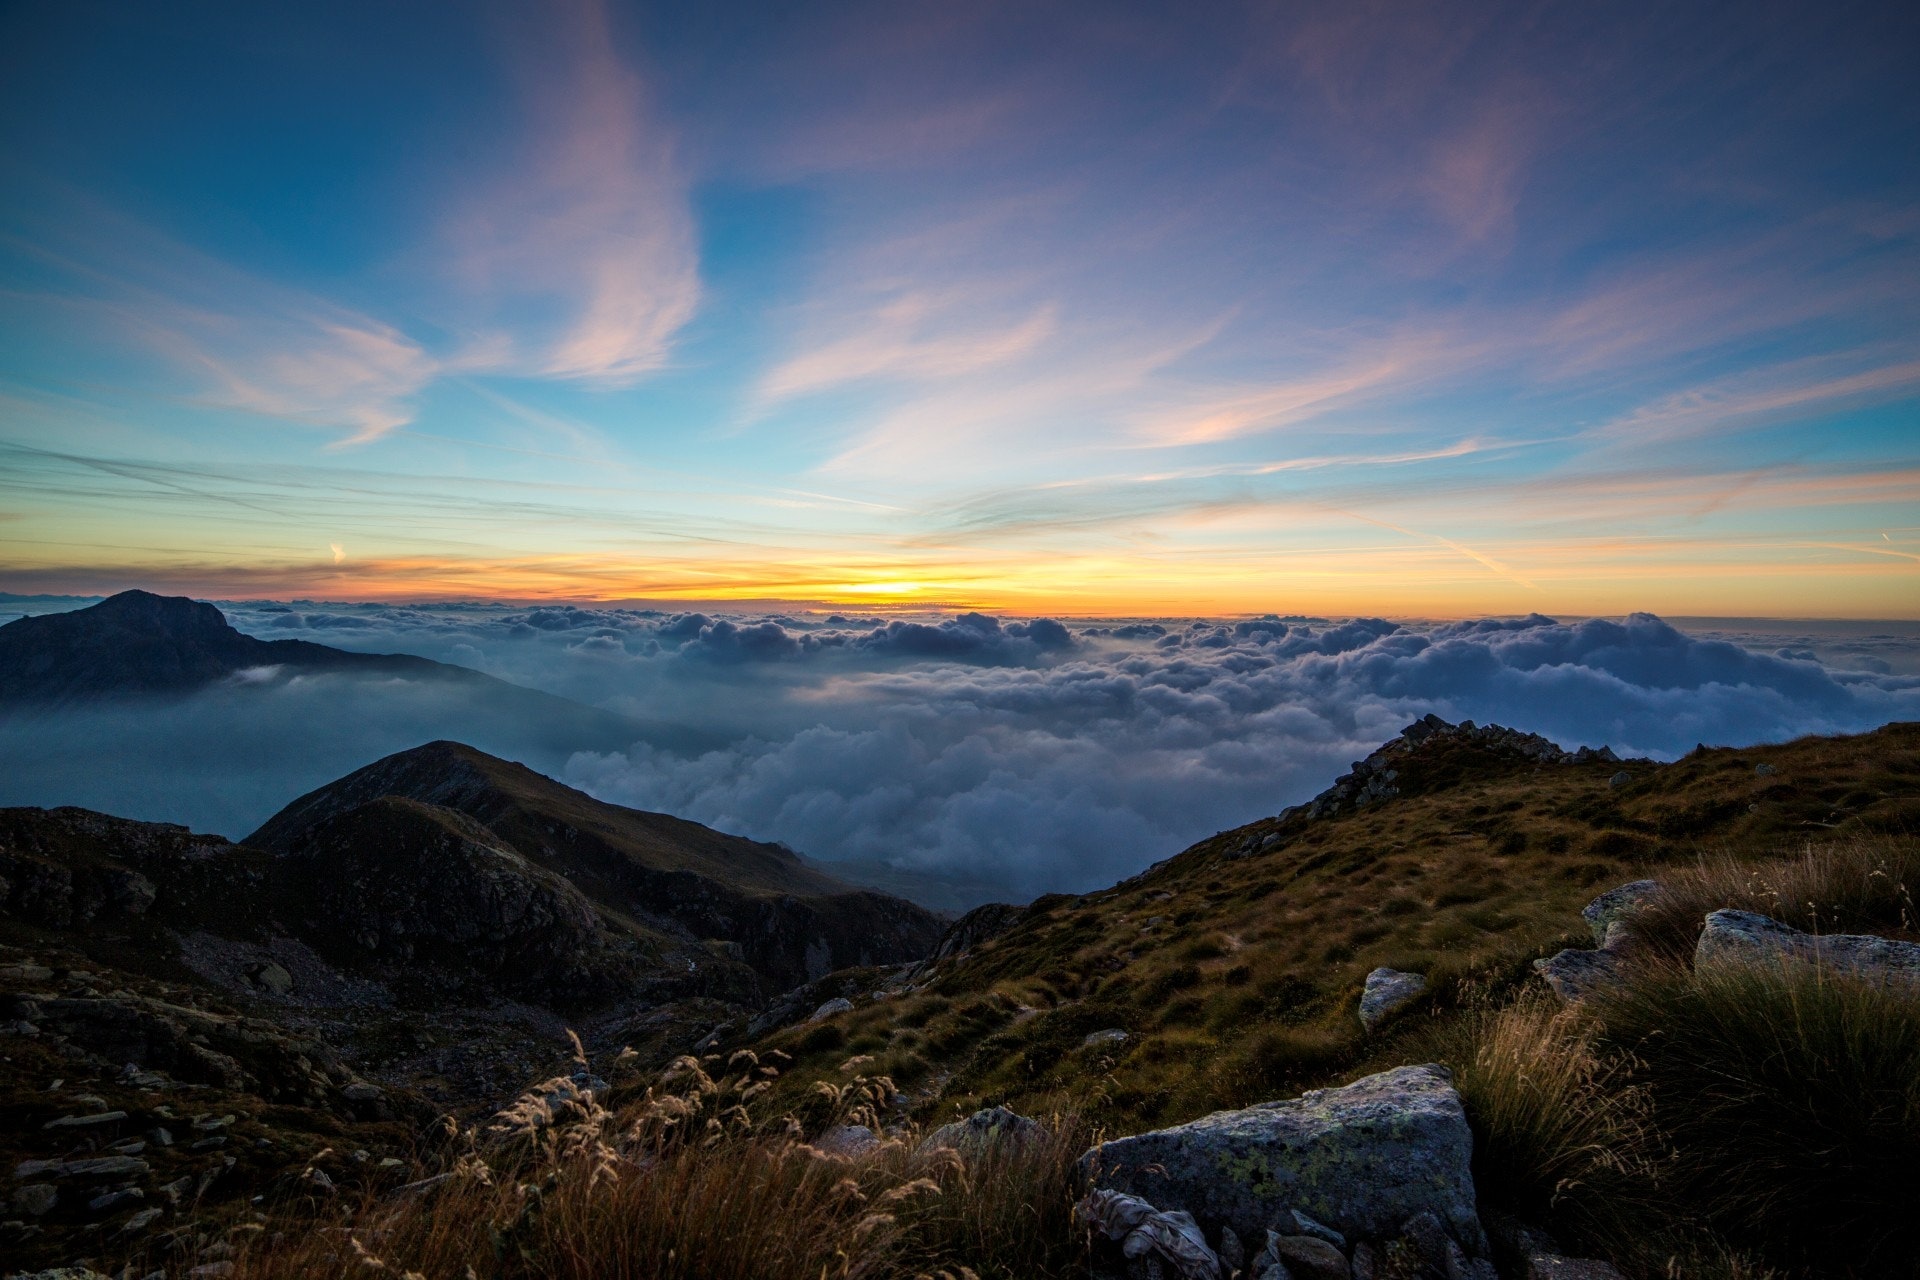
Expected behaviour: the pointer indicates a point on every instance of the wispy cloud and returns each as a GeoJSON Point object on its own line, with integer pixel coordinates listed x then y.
{"type": "Point", "coordinates": [588, 218]}
{"type": "Point", "coordinates": [908, 336]}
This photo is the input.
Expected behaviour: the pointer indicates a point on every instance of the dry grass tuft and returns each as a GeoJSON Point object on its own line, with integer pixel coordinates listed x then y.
{"type": "Point", "coordinates": [689, 1185]}
{"type": "Point", "coordinates": [1862, 885]}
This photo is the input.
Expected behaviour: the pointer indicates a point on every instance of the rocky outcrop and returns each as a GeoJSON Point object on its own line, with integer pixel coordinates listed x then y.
{"type": "Point", "coordinates": [1617, 906]}
{"type": "Point", "coordinates": [1744, 937]}
{"type": "Point", "coordinates": [989, 920]}
{"type": "Point", "coordinates": [414, 885]}
{"type": "Point", "coordinates": [1363, 1159]}
{"type": "Point", "coordinates": [1576, 975]}
{"type": "Point", "coordinates": [1387, 992]}
{"type": "Point", "coordinates": [983, 1129]}
{"type": "Point", "coordinates": [1383, 775]}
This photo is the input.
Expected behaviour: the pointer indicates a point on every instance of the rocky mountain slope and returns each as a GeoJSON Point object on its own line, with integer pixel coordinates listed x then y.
{"type": "Point", "coordinates": [1233, 972]}
{"type": "Point", "coordinates": [418, 936]}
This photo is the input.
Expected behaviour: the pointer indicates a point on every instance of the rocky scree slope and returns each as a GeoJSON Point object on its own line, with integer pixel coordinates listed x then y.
{"type": "Point", "coordinates": [1233, 972]}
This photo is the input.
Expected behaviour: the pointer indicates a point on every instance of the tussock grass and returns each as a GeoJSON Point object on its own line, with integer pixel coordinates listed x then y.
{"type": "Point", "coordinates": [1790, 1097]}
{"type": "Point", "coordinates": [1721, 1122]}
{"type": "Point", "coordinates": [689, 1185]}
{"type": "Point", "coordinates": [1559, 1129]}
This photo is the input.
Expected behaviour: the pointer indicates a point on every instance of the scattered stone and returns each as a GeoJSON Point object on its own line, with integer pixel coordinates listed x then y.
{"type": "Point", "coordinates": [1319, 1230]}
{"type": "Point", "coordinates": [211, 1270]}
{"type": "Point", "coordinates": [85, 1122]}
{"type": "Point", "coordinates": [1362, 1159]}
{"type": "Point", "coordinates": [160, 1137]}
{"type": "Point", "coordinates": [983, 1129]}
{"type": "Point", "coordinates": [1551, 1266]}
{"type": "Point", "coordinates": [114, 1199]}
{"type": "Point", "coordinates": [36, 1199]}
{"type": "Point", "coordinates": [1171, 1238]}
{"type": "Point", "coordinates": [1764, 770]}
{"type": "Point", "coordinates": [1112, 1035]}
{"type": "Point", "coordinates": [1387, 992]}
{"type": "Point", "coordinates": [1363, 1263]}
{"type": "Point", "coordinates": [1616, 905]}
{"type": "Point", "coordinates": [1232, 1251]}
{"type": "Point", "coordinates": [1310, 1257]}
{"type": "Point", "coordinates": [837, 1005]}
{"type": "Point", "coordinates": [103, 1167]}
{"type": "Point", "coordinates": [270, 977]}
{"type": "Point", "coordinates": [361, 1091]}
{"type": "Point", "coordinates": [59, 1273]}
{"type": "Point", "coordinates": [1745, 937]}
{"type": "Point", "coordinates": [1619, 779]}
{"type": "Point", "coordinates": [141, 1221]}
{"type": "Point", "coordinates": [208, 1144]}
{"type": "Point", "coordinates": [1575, 975]}
{"type": "Point", "coordinates": [848, 1140]}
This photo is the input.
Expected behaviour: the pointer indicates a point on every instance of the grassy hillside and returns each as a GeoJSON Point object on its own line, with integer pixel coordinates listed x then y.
{"type": "Point", "coordinates": [1235, 974]}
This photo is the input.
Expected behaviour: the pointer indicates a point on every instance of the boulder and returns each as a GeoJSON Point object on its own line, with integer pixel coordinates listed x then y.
{"type": "Point", "coordinates": [1309, 1257]}
{"type": "Point", "coordinates": [1361, 1159]}
{"type": "Point", "coordinates": [1575, 975]}
{"type": "Point", "coordinates": [1745, 937]}
{"type": "Point", "coordinates": [983, 1129]}
{"type": "Point", "coordinates": [1616, 905]}
{"type": "Point", "coordinates": [837, 1005]}
{"type": "Point", "coordinates": [1386, 993]}
{"type": "Point", "coordinates": [1110, 1036]}
{"type": "Point", "coordinates": [1619, 779]}
{"type": "Point", "coordinates": [847, 1140]}
{"type": "Point", "coordinates": [36, 1199]}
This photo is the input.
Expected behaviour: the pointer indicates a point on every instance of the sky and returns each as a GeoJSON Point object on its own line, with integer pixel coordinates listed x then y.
{"type": "Point", "coordinates": [1346, 308]}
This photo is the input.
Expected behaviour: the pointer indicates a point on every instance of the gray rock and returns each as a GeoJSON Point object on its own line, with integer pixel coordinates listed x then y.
{"type": "Point", "coordinates": [1744, 937]}
{"type": "Point", "coordinates": [141, 1221]}
{"type": "Point", "coordinates": [103, 1167]}
{"type": "Point", "coordinates": [1364, 1264]}
{"type": "Point", "coordinates": [271, 977]}
{"type": "Point", "coordinates": [839, 1004]}
{"type": "Point", "coordinates": [1575, 975]}
{"type": "Point", "coordinates": [1311, 1258]}
{"type": "Point", "coordinates": [1386, 993]}
{"type": "Point", "coordinates": [1616, 905]}
{"type": "Point", "coordinates": [1764, 770]}
{"type": "Point", "coordinates": [1233, 1253]}
{"type": "Point", "coordinates": [1362, 1159]}
{"type": "Point", "coordinates": [983, 1129]}
{"type": "Point", "coordinates": [114, 1199]}
{"type": "Point", "coordinates": [847, 1140]}
{"type": "Point", "coordinates": [1110, 1036]}
{"type": "Point", "coordinates": [58, 1273]}
{"type": "Point", "coordinates": [86, 1122]}
{"type": "Point", "coordinates": [36, 1199]}
{"type": "Point", "coordinates": [1310, 1227]}
{"type": "Point", "coordinates": [1266, 1264]}
{"type": "Point", "coordinates": [361, 1091]}
{"type": "Point", "coordinates": [1620, 779]}
{"type": "Point", "coordinates": [1551, 1266]}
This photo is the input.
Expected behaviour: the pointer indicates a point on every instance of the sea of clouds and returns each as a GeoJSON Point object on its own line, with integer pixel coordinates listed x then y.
{"type": "Point", "coordinates": [1039, 755]}
{"type": "Point", "coordinates": [1016, 756]}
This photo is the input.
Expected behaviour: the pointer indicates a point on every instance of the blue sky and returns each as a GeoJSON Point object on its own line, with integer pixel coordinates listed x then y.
{"type": "Point", "coordinates": [1413, 309]}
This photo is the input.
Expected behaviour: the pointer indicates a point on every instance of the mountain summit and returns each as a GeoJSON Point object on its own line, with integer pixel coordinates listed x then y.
{"type": "Point", "coordinates": [141, 643]}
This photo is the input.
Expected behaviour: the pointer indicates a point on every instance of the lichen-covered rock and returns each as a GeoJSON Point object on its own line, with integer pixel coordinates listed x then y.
{"type": "Point", "coordinates": [1575, 975]}
{"type": "Point", "coordinates": [983, 1129]}
{"type": "Point", "coordinates": [847, 1140]}
{"type": "Point", "coordinates": [1387, 992]}
{"type": "Point", "coordinates": [1616, 905]}
{"type": "Point", "coordinates": [1361, 1159]}
{"type": "Point", "coordinates": [1745, 937]}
